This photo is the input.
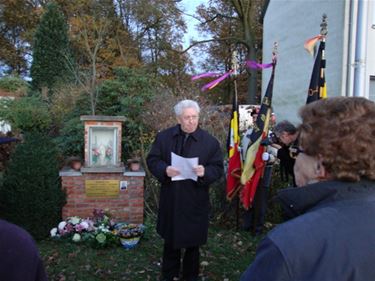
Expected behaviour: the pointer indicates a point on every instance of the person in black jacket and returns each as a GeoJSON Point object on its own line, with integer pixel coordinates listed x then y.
{"type": "Point", "coordinates": [184, 204]}
{"type": "Point", "coordinates": [332, 234]}
{"type": "Point", "coordinates": [287, 136]}
{"type": "Point", "coordinates": [19, 256]}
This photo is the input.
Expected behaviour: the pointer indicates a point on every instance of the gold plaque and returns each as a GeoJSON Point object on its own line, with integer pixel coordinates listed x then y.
{"type": "Point", "coordinates": [102, 188]}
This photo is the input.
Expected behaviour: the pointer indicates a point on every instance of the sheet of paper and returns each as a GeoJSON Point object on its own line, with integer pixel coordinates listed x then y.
{"type": "Point", "coordinates": [185, 166]}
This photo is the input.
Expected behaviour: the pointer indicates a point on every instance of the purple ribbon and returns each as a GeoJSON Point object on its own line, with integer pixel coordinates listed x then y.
{"type": "Point", "coordinates": [254, 65]}
{"type": "Point", "coordinates": [212, 84]}
{"type": "Point", "coordinates": [203, 75]}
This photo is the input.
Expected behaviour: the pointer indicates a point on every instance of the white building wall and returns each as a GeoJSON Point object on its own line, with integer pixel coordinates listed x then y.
{"type": "Point", "coordinates": [370, 69]}
{"type": "Point", "coordinates": [291, 23]}
{"type": "Point", "coordinates": [370, 66]}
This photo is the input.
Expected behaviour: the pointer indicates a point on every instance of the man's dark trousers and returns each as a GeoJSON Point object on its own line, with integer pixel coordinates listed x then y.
{"type": "Point", "coordinates": [171, 263]}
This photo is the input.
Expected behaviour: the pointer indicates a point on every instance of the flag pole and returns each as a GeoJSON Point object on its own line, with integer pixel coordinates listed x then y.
{"type": "Point", "coordinates": [323, 32]}
{"type": "Point", "coordinates": [317, 87]}
{"type": "Point", "coordinates": [234, 74]}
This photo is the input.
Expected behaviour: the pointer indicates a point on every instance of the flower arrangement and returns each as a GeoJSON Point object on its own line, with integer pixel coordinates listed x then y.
{"type": "Point", "coordinates": [124, 230]}
{"type": "Point", "coordinates": [95, 154]}
{"type": "Point", "coordinates": [129, 234]}
{"type": "Point", "coordinates": [108, 153]}
{"type": "Point", "coordinates": [99, 231]}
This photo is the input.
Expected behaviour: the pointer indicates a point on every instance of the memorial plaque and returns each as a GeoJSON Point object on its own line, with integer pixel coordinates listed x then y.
{"type": "Point", "coordinates": [102, 188]}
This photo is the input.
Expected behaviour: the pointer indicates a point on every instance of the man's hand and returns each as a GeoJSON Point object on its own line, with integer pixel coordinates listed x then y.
{"type": "Point", "coordinates": [172, 171]}
{"type": "Point", "coordinates": [199, 170]}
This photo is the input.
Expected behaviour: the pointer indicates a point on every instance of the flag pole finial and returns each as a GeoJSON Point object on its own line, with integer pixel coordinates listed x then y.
{"type": "Point", "coordinates": [323, 25]}
{"type": "Point", "coordinates": [234, 63]}
{"type": "Point", "coordinates": [274, 51]}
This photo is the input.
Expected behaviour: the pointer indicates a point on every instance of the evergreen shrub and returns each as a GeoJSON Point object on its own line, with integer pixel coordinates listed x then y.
{"type": "Point", "coordinates": [26, 114]}
{"type": "Point", "coordinates": [71, 139]}
{"type": "Point", "coordinates": [14, 84]}
{"type": "Point", "coordinates": [31, 194]}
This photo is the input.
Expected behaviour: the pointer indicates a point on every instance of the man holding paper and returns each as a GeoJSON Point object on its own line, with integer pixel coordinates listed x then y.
{"type": "Point", "coordinates": [186, 160]}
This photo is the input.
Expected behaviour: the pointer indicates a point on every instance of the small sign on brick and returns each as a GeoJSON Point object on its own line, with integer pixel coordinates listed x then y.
{"type": "Point", "coordinates": [102, 188]}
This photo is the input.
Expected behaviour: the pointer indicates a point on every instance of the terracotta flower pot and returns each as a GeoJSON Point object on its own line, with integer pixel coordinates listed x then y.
{"type": "Point", "coordinates": [134, 164]}
{"type": "Point", "coordinates": [76, 165]}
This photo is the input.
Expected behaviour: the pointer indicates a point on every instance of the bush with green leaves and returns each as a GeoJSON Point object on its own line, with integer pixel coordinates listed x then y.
{"type": "Point", "coordinates": [26, 114]}
{"type": "Point", "coordinates": [126, 95]}
{"type": "Point", "coordinates": [14, 84]}
{"type": "Point", "coordinates": [31, 194]}
{"type": "Point", "coordinates": [71, 139]}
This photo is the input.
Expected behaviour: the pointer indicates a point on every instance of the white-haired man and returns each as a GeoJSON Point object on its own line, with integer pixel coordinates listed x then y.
{"type": "Point", "coordinates": [184, 204]}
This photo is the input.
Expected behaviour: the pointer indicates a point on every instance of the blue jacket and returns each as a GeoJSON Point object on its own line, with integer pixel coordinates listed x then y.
{"type": "Point", "coordinates": [19, 256]}
{"type": "Point", "coordinates": [331, 238]}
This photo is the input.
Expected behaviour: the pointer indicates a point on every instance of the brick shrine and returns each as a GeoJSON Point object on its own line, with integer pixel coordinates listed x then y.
{"type": "Point", "coordinates": [103, 182]}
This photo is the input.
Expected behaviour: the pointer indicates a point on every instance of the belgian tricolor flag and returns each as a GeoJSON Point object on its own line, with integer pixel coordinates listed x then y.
{"type": "Point", "coordinates": [234, 163]}
{"type": "Point", "coordinates": [254, 164]}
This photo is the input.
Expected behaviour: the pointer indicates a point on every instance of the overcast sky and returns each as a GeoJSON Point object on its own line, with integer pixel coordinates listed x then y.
{"type": "Point", "coordinates": [189, 7]}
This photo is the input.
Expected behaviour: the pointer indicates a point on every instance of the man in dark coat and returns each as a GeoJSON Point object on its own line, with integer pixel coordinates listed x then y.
{"type": "Point", "coordinates": [287, 135]}
{"type": "Point", "coordinates": [331, 235]}
{"type": "Point", "coordinates": [184, 204]}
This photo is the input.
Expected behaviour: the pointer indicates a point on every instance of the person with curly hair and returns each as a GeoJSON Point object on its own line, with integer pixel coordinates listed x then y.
{"type": "Point", "coordinates": [331, 236]}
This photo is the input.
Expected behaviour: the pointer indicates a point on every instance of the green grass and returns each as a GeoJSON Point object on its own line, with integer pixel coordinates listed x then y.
{"type": "Point", "coordinates": [225, 257]}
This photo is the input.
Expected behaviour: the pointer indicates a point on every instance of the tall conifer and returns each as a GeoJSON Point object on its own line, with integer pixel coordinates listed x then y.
{"type": "Point", "coordinates": [51, 53]}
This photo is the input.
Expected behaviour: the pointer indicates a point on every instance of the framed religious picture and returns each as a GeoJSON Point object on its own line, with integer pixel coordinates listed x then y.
{"type": "Point", "coordinates": [102, 146]}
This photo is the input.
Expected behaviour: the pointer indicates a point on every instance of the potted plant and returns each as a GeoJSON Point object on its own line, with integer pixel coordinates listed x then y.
{"type": "Point", "coordinates": [74, 163]}
{"type": "Point", "coordinates": [134, 163]}
{"type": "Point", "coordinates": [129, 234]}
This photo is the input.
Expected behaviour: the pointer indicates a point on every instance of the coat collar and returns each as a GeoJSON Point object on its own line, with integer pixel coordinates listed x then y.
{"type": "Point", "coordinates": [176, 131]}
{"type": "Point", "coordinates": [299, 200]}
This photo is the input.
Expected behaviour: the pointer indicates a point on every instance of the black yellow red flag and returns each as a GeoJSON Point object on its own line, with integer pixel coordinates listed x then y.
{"type": "Point", "coordinates": [254, 165]}
{"type": "Point", "coordinates": [317, 88]}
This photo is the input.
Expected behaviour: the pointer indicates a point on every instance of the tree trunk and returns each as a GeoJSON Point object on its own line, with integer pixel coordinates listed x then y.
{"type": "Point", "coordinates": [252, 79]}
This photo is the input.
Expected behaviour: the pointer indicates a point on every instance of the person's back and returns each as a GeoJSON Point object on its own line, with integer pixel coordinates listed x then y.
{"type": "Point", "coordinates": [332, 241]}
{"type": "Point", "coordinates": [19, 256]}
{"type": "Point", "coordinates": [335, 238]}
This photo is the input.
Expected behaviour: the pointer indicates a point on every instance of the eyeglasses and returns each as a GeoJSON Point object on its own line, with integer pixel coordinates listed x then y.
{"type": "Point", "coordinates": [193, 117]}
{"type": "Point", "coordinates": [294, 151]}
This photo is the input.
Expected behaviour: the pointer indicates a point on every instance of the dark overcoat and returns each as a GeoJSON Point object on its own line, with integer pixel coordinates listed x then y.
{"type": "Point", "coordinates": [184, 205]}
